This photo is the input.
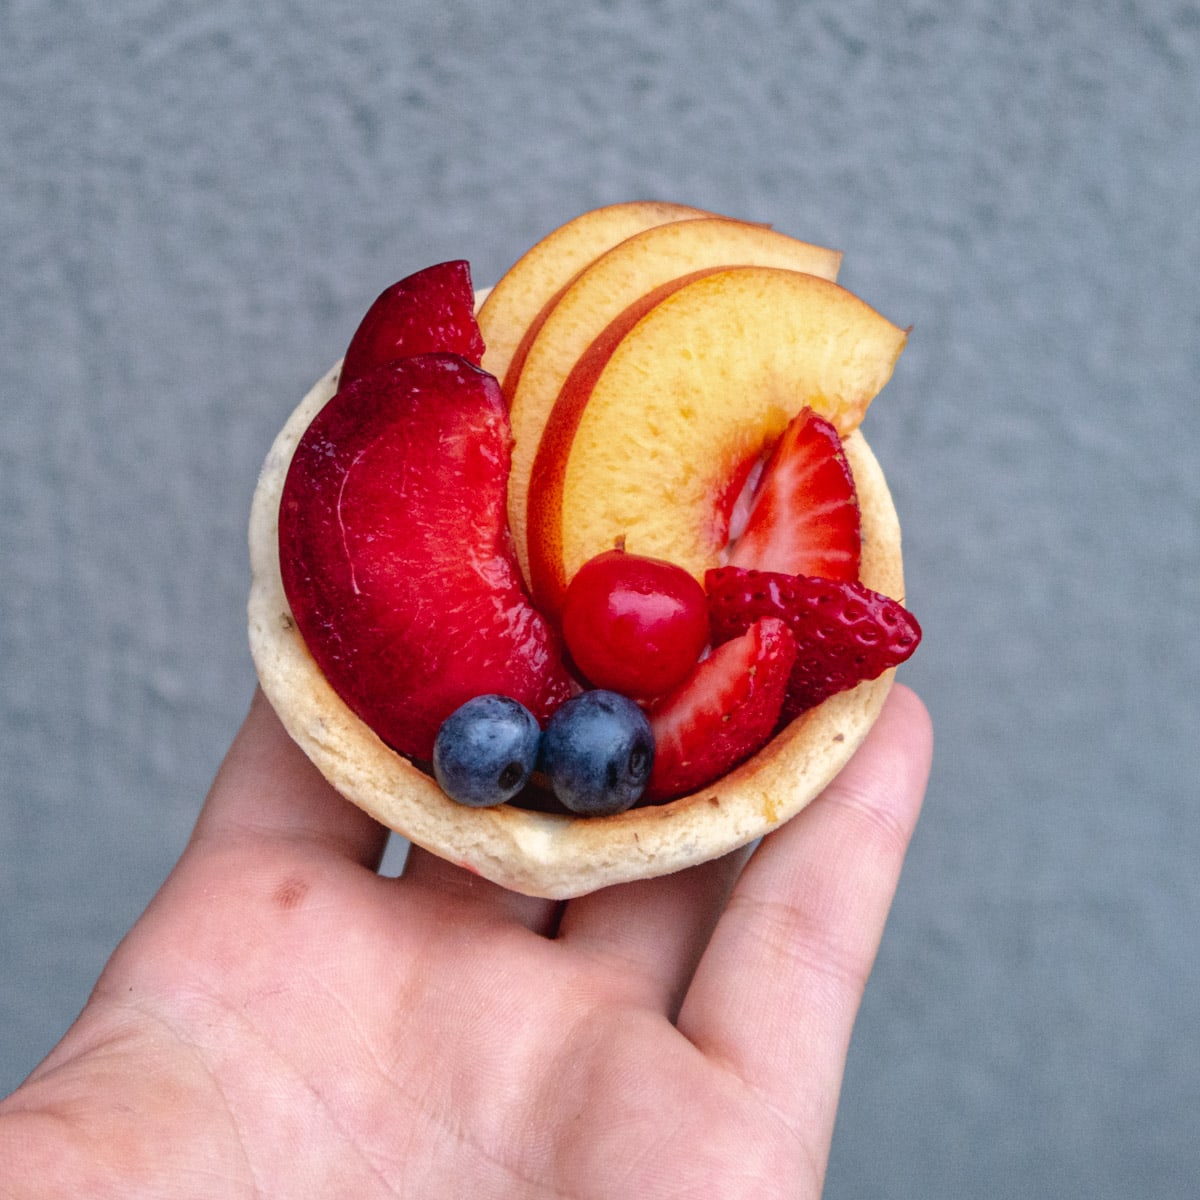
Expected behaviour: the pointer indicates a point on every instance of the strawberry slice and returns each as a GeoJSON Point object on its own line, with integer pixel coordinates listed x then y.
{"type": "Point", "coordinates": [723, 712]}
{"type": "Point", "coordinates": [430, 311]}
{"type": "Point", "coordinates": [804, 517]}
{"type": "Point", "coordinates": [845, 632]}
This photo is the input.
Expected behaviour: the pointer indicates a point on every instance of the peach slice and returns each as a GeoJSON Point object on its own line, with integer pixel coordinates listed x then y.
{"type": "Point", "coordinates": [514, 308]}
{"type": "Point", "coordinates": [608, 297]}
{"type": "Point", "coordinates": [649, 436]}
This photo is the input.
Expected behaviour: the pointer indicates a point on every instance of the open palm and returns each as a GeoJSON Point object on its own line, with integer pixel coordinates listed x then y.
{"type": "Point", "coordinates": [284, 1022]}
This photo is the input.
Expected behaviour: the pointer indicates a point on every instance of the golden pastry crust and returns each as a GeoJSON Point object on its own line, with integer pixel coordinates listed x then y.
{"type": "Point", "coordinates": [545, 854]}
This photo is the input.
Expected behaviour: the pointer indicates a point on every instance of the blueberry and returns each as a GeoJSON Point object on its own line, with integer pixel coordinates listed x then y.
{"type": "Point", "coordinates": [485, 751]}
{"type": "Point", "coordinates": [597, 752]}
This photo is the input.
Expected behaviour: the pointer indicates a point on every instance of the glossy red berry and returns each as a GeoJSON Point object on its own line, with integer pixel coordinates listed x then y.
{"type": "Point", "coordinates": [634, 625]}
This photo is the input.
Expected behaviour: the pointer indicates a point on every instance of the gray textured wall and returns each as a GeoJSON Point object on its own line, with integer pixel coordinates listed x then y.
{"type": "Point", "coordinates": [198, 201]}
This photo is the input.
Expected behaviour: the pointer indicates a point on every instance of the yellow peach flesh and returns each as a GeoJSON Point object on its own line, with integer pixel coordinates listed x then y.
{"type": "Point", "coordinates": [703, 382]}
{"type": "Point", "coordinates": [515, 306]}
{"type": "Point", "coordinates": [603, 293]}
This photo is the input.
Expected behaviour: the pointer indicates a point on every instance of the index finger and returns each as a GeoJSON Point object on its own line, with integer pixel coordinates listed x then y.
{"type": "Point", "coordinates": [268, 790]}
{"type": "Point", "coordinates": [777, 991]}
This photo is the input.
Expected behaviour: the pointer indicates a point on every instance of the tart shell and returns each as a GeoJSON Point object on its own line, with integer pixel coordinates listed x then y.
{"type": "Point", "coordinates": [547, 854]}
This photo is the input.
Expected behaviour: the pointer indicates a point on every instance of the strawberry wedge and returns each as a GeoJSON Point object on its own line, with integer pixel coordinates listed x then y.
{"type": "Point", "coordinates": [844, 632]}
{"type": "Point", "coordinates": [723, 712]}
{"type": "Point", "coordinates": [804, 516]}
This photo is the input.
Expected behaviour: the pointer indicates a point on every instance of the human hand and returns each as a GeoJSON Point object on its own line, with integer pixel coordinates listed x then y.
{"type": "Point", "coordinates": [284, 1022]}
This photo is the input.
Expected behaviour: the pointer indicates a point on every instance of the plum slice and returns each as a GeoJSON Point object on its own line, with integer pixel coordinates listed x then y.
{"type": "Point", "coordinates": [396, 557]}
{"type": "Point", "coordinates": [430, 311]}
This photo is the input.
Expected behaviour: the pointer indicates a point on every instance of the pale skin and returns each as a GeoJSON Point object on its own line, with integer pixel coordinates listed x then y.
{"type": "Point", "coordinates": [285, 1023]}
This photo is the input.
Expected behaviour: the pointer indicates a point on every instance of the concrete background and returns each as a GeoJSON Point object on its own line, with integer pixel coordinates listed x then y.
{"type": "Point", "coordinates": [198, 202]}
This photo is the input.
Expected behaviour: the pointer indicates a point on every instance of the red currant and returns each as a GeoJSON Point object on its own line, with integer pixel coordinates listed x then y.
{"type": "Point", "coordinates": [634, 625]}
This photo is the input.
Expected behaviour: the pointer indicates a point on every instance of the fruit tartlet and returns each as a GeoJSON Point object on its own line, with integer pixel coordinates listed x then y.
{"type": "Point", "coordinates": [596, 579]}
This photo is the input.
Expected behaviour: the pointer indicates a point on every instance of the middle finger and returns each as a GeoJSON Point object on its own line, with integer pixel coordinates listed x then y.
{"type": "Point", "coordinates": [650, 934]}
{"type": "Point", "coordinates": [474, 898]}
